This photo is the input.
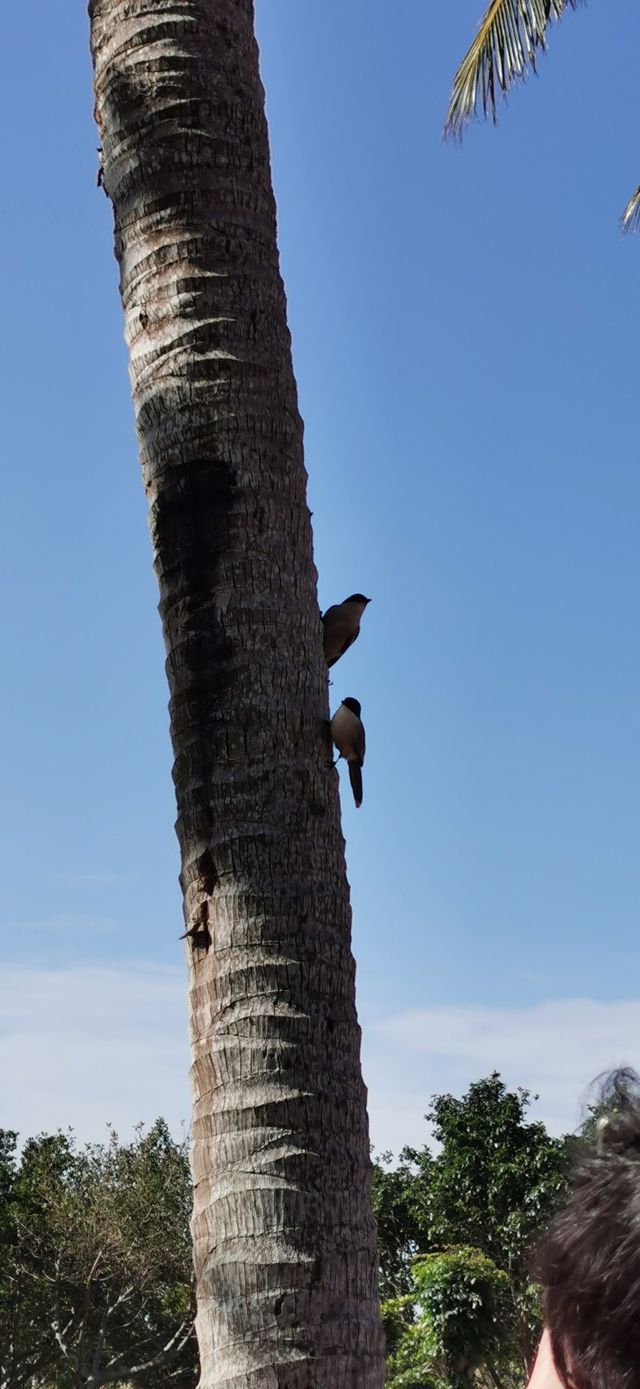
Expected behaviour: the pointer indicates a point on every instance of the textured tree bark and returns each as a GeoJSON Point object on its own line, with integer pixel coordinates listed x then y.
{"type": "Point", "coordinates": [283, 1234]}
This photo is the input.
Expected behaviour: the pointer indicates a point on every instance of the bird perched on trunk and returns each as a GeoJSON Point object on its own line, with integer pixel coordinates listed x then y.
{"type": "Point", "coordinates": [347, 731]}
{"type": "Point", "coordinates": [341, 626]}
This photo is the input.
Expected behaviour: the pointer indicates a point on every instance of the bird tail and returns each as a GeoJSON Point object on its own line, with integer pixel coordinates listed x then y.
{"type": "Point", "coordinates": [355, 777]}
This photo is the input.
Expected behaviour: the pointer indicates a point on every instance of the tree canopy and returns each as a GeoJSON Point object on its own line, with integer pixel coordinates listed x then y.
{"type": "Point", "coordinates": [465, 1213]}
{"type": "Point", "coordinates": [95, 1254]}
{"type": "Point", "coordinates": [95, 1271]}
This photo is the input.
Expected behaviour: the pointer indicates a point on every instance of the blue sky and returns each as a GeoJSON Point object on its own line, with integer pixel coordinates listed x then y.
{"type": "Point", "coordinates": [464, 330]}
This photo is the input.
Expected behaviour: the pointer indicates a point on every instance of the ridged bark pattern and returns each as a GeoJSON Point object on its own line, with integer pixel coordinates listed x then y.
{"type": "Point", "coordinates": [283, 1234]}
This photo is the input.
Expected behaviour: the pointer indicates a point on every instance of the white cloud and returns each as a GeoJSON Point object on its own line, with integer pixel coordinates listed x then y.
{"type": "Point", "coordinates": [556, 1049]}
{"type": "Point", "coordinates": [96, 1043]}
{"type": "Point", "coordinates": [93, 1044]}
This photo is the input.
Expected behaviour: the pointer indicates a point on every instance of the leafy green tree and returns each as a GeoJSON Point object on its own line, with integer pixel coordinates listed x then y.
{"type": "Point", "coordinates": [96, 1263]}
{"type": "Point", "coordinates": [496, 1178]}
{"type": "Point", "coordinates": [400, 1230]}
{"type": "Point", "coordinates": [510, 37]}
{"type": "Point", "coordinates": [491, 1185]}
{"type": "Point", "coordinates": [460, 1301]}
{"type": "Point", "coordinates": [27, 1344]}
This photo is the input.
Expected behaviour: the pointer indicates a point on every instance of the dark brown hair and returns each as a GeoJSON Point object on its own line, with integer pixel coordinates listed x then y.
{"type": "Point", "coordinates": [589, 1262]}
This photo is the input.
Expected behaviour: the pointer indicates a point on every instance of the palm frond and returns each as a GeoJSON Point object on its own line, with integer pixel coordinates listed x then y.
{"type": "Point", "coordinates": [508, 39]}
{"type": "Point", "coordinates": [630, 220]}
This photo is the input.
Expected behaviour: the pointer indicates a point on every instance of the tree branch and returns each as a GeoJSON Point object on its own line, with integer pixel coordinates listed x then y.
{"type": "Point", "coordinates": [102, 1329]}
{"type": "Point", "coordinates": [162, 1358]}
{"type": "Point", "coordinates": [59, 1334]}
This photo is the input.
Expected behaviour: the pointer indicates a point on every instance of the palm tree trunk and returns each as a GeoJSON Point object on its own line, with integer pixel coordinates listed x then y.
{"type": "Point", "coordinates": [283, 1234]}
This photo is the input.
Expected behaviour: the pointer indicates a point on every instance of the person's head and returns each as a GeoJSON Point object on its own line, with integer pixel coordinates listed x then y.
{"type": "Point", "coordinates": [589, 1262]}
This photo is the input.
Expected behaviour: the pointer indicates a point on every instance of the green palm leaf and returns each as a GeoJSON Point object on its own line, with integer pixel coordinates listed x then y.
{"type": "Point", "coordinates": [509, 36]}
{"type": "Point", "coordinates": [630, 220]}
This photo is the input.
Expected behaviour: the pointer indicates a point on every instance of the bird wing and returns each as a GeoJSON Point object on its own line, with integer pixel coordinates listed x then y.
{"type": "Point", "coordinates": [345, 647]}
